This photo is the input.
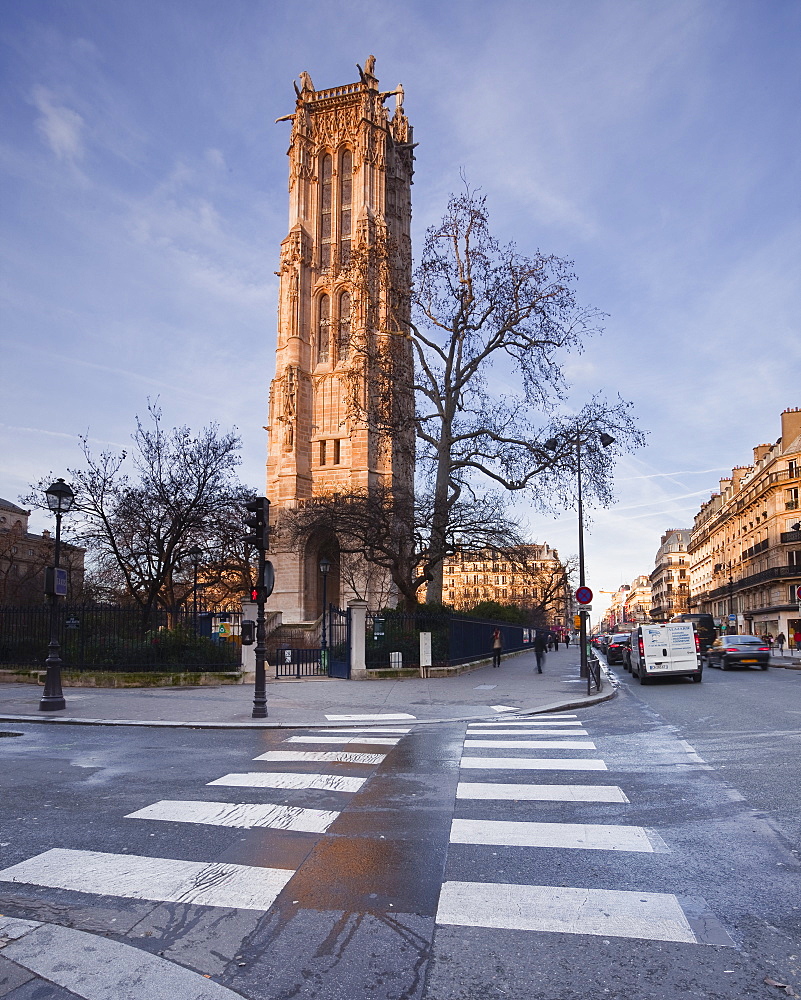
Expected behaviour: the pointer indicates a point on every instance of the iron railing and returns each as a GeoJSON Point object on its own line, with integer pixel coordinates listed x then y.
{"type": "Point", "coordinates": [104, 638]}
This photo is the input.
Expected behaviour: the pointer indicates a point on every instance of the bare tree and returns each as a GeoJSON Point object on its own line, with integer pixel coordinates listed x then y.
{"type": "Point", "coordinates": [181, 492]}
{"type": "Point", "coordinates": [480, 311]}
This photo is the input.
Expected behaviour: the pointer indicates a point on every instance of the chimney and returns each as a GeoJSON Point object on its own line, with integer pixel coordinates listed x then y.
{"type": "Point", "coordinates": [791, 426]}
{"type": "Point", "coordinates": [760, 451]}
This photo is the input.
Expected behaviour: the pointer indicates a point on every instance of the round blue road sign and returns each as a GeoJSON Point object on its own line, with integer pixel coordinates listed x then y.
{"type": "Point", "coordinates": [584, 595]}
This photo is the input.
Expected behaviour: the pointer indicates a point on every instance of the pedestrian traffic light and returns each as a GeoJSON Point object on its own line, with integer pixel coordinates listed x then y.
{"type": "Point", "coordinates": [259, 523]}
{"type": "Point", "coordinates": [247, 632]}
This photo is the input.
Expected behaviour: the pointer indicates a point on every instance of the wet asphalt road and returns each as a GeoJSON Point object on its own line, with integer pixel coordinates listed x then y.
{"type": "Point", "coordinates": [699, 765]}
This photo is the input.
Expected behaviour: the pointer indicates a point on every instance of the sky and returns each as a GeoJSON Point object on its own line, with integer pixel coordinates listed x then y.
{"type": "Point", "coordinates": [145, 197]}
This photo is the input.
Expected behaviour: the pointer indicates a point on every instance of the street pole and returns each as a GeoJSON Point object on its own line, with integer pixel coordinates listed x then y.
{"type": "Point", "coordinates": [584, 670]}
{"type": "Point", "coordinates": [59, 500]}
{"type": "Point", "coordinates": [325, 566]}
{"type": "Point", "coordinates": [260, 686]}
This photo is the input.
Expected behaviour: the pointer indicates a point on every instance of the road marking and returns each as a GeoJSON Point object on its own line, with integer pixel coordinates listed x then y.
{"type": "Point", "coordinates": [240, 814]}
{"type": "Point", "coordinates": [533, 764]}
{"type": "Point", "coordinates": [164, 880]}
{"type": "Point", "coordinates": [386, 717]}
{"type": "Point", "coordinates": [549, 793]}
{"type": "Point", "coordinates": [654, 916]}
{"type": "Point", "coordinates": [526, 732]}
{"type": "Point", "coordinates": [367, 729]}
{"type": "Point", "coordinates": [277, 779]}
{"type": "Point", "coordinates": [98, 968]}
{"type": "Point", "coordinates": [321, 756]}
{"type": "Point", "coordinates": [504, 708]}
{"type": "Point", "coordinates": [386, 741]}
{"type": "Point", "coordinates": [581, 836]}
{"type": "Point", "coordinates": [534, 744]}
{"type": "Point", "coordinates": [512, 722]}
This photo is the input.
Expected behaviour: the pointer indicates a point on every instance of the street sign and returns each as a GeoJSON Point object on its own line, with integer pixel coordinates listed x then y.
{"type": "Point", "coordinates": [584, 595]}
{"type": "Point", "coordinates": [798, 594]}
{"type": "Point", "coordinates": [732, 619]}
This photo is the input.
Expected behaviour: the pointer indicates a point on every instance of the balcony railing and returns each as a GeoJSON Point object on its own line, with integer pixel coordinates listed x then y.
{"type": "Point", "coordinates": [774, 573]}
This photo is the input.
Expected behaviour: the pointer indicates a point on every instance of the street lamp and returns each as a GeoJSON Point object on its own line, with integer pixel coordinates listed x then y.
{"type": "Point", "coordinates": [552, 445]}
{"type": "Point", "coordinates": [325, 568]}
{"type": "Point", "coordinates": [195, 553]}
{"type": "Point", "coordinates": [59, 500]}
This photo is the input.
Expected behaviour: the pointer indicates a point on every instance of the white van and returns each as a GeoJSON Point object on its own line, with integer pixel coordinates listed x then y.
{"type": "Point", "coordinates": [665, 650]}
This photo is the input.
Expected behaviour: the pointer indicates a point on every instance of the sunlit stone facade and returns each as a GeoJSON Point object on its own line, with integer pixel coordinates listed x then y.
{"type": "Point", "coordinates": [344, 265]}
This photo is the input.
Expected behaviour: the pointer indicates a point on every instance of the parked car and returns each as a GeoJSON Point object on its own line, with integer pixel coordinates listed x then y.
{"type": "Point", "coordinates": [738, 650]}
{"type": "Point", "coordinates": [616, 647]}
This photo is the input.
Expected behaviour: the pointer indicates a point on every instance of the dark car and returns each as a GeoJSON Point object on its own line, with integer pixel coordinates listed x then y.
{"type": "Point", "coordinates": [738, 650]}
{"type": "Point", "coordinates": [616, 647]}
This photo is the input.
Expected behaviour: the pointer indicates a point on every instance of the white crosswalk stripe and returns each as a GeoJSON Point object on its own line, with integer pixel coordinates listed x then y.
{"type": "Point", "coordinates": [505, 723]}
{"type": "Point", "coordinates": [240, 814]}
{"type": "Point", "coordinates": [533, 744]}
{"type": "Point", "coordinates": [532, 764]}
{"type": "Point", "coordinates": [545, 793]}
{"type": "Point", "coordinates": [282, 779]}
{"type": "Point", "coordinates": [527, 732]}
{"type": "Point", "coordinates": [580, 836]}
{"type": "Point", "coordinates": [605, 912]}
{"type": "Point", "coordinates": [163, 879]}
{"type": "Point", "coordinates": [386, 741]}
{"type": "Point", "coordinates": [321, 756]}
{"type": "Point", "coordinates": [365, 716]}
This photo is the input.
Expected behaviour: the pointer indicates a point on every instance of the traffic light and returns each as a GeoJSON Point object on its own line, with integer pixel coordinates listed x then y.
{"type": "Point", "coordinates": [262, 590]}
{"type": "Point", "coordinates": [247, 632]}
{"type": "Point", "coordinates": [259, 523]}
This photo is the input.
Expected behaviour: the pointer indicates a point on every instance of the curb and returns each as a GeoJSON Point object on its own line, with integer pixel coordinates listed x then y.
{"type": "Point", "coordinates": [556, 706]}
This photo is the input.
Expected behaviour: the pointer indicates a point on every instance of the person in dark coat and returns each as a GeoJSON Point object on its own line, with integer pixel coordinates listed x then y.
{"type": "Point", "coordinates": [540, 645]}
{"type": "Point", "coordinates": [497, 647]}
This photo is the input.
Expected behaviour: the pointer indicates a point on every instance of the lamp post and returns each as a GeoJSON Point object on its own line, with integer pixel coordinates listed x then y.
{"type": "Point", "coordinates": [59, 500]}
{"type": "Point", "coordinates": [552, 444]}
{"type": "Point", "coordinates": [196, 552]}
{"type": "Point", "coordinates": [325, 568]}
{"type": "Point", "coordinates": [731, 596]}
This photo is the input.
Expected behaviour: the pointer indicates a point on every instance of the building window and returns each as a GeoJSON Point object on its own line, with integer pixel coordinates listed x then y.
{"type": "Point", "coordinates": [345, 206]}
{"type": "Point", "coordinates": [791, 499]}
{"type": "Point", "coordinates": [322, 453]}
{"type": "Point", "coordinates": [323, 328]}
{"type": "Point", "coordinates": [325, 213]}
{"type": "Point", "coordinates": [337, 451]}
{"type": "Point", "coordinates": [343, 346]}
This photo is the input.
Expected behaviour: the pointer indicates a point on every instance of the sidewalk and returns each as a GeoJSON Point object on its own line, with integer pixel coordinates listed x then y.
{"type": "Point", "coordinates": [479, 694]}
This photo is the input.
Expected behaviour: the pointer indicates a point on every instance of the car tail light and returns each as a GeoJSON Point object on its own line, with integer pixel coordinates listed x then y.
{"type": "Point", "coordinates": [642, 647]}
{"type": "Point", "coordinates": [763, 649]}
{"type": "Point", "coordinates": [697, 643]}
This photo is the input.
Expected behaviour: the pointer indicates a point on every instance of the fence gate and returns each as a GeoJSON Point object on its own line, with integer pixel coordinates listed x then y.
{"type": "Point", "coordinates": [338, 642]}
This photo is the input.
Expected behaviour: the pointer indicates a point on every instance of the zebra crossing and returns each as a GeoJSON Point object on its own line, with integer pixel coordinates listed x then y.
{"type": "Point", "coordinates": [581, 910]}
{"type": "Point", "coordinates": [208, 883]}
{"type": "Point", "coordinates": [499, 778]}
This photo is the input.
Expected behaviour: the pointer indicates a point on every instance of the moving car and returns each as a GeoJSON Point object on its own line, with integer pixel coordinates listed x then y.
{"type": "Point", "coordinates": [616, 647]}
{"type": "Point", "coordinates": [738, 650]}
{"type": "Point", "coordinates": [665, 650]}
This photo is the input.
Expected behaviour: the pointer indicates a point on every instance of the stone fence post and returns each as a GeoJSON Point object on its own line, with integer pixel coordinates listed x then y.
{"type": "Point", "coordinates": [358, 640]}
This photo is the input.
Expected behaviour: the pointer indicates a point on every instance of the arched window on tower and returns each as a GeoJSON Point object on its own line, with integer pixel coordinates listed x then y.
{"type": "Point", "coordinates": [323, 328]}
{"type": "Point", "coordinates": [343, 344]}
{"type": "Point", "coordinates": [345, 200]}
{"type": "Point", "coordinates": [325, 212]}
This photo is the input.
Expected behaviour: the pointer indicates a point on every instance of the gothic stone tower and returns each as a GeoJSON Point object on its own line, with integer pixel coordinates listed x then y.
{"type": "Point", "coordinates": [345, 267]}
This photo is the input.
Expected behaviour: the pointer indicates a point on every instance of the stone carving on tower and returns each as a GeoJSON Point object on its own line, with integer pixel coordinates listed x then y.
{"type": "Point", "coordinates": [337, 422]}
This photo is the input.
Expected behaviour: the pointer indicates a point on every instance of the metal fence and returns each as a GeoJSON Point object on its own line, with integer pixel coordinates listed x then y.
{"type": "Point", "coordinates": [454, 639]}
{"type": "Point", "coordinates": [116, 639]}
{"type": "Point", "coordinates": [299, 663]}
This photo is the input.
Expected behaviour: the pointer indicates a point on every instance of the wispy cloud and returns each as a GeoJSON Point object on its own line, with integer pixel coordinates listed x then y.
{"type": "Point", "coordinates": [61, 127]}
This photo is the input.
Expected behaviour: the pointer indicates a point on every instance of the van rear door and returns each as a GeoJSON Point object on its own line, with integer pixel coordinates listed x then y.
{"type": "Point", "coordinates": [683, 655]}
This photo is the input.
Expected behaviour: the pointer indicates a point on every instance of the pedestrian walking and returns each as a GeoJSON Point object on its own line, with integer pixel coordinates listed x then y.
{"type": "Point", "coordinates": [540, 645]}
{"type": "Point", "coordinates": [497, 646]}
{"type": "Point", "coordinates": [780, 641]}
{"type": "Point", "coordinates": [567, 639]}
